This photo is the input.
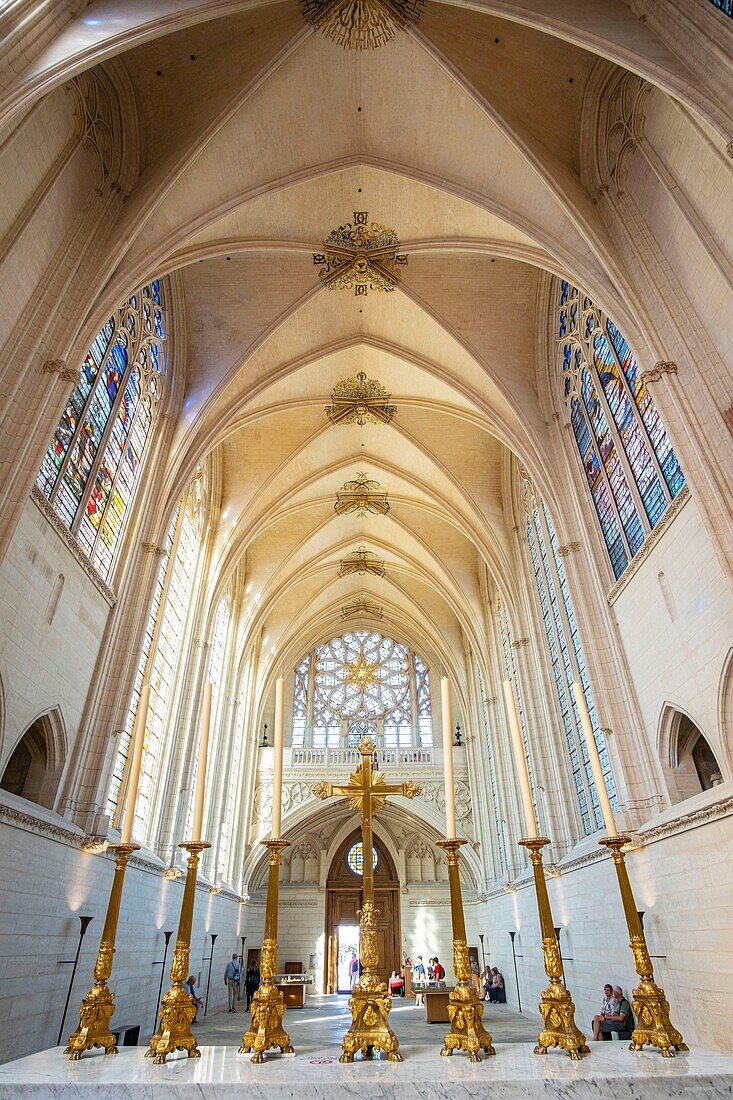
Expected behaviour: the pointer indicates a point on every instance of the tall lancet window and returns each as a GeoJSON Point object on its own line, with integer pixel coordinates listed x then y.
{"type": "Point", "coordinates": [92, 467]}
{"type": "Point", "coordinates": [216, 673]}
{"type": "Point", "coordinates": [567, 660]}
{"type": "Point", "coordinates": [362, 684]}
{"type": "Point", "coordinates": [160, 660]}
{"type": "Point", "coordinates": [631, 468]}
{"type": "Point", "coordinates": [511, 671]}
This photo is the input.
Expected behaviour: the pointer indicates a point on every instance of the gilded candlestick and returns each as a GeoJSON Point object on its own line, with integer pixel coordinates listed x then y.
{"type": "Point", "coordinates": [268, 1005]}
{"type": "Point", "coordinates": [556, 1005]}
{"type": "Point", "coordinates": [465, 1010]}
{"type": "Point", "coordinates": [98, 1006]}
{"type": "Point", "coordinates": [177, 1010]}
{"type": "Point", "coordinates": [649, 1003]}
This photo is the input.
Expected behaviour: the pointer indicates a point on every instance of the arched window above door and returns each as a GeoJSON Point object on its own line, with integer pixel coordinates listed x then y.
{"type": "Point", "coordinates": [92, 467]}
{"type": "Point", "coordinates": [631, 469]}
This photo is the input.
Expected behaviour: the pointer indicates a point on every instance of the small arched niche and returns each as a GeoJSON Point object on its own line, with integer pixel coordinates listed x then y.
{"type": "Point", "coordinates": [34, 767]}
{"type": "Point", "coordinates": [692, 766]}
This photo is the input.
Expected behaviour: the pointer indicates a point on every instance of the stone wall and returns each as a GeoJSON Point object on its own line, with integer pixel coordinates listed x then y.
{"type": "Point", "coordinates": [53, 623]}
{"type": "Point", "coordinates": [47, 882]}
{"type": "Point", "coordinates": [683, 881]}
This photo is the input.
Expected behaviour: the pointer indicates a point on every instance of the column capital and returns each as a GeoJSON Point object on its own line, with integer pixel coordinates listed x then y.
{"type": "Point", "coordinates": [656, 372]}
{"type": "Point", "coordinates": [569, 548]}
{"type": "Point", "coordinates": [60, 367]}
{"type": "Point", "coordinates": [153, 548]}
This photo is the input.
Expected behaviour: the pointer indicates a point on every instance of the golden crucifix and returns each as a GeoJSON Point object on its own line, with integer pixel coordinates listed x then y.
{"type": "Point", "coordinates": [370, 1002]}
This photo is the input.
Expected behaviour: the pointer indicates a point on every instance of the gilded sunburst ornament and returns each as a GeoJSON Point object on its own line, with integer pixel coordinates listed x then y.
{"type": "Point", "coordinates": [361, 24]}
{"type": "Point", "coordinates": [360, 255]}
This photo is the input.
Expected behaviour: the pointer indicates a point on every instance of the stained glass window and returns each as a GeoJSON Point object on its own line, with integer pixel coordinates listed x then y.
{"type": "Point", "coordinates": [355, 858]}
{"type": "Point", "coordinates": [492, 772]}
{"type": "Point", "coordinates": [362, 684]}
{"type": "Point", "coordinates": [512, 674]}
{"type": "Point", "coordinates": [91, 469]}
{"type": "Point", "coordinates": [630, 467]}
{"type": "Point", "coordinates": [300, 702]}
{"type": "Point", "coordinates": [159, 663]}
{"type": "Point", "coordinates": [726, 6]}
{"type": "Point", "coordinates": [567, 661]}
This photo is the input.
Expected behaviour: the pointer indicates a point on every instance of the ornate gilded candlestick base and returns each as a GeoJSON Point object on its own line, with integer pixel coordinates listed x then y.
{"type": "Point", "coordinates": [370, 1003]}
{"type": "Point", "coordinates": [465, 1010]}
{"type": "Point", "coordinates": [651, 1008]}
{"type": "Point", "coordinates": [99, 1004]}
{"type": "Point", "coordinates": [177, 1009]}
{"type": "Point", "coordinates": [556, 1005]}
{"type": "Point", "coordinates": [268, 1007]}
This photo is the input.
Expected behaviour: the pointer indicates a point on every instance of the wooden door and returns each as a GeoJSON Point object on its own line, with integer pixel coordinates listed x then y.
{"type": "Point", "coordinates": [343, 900]}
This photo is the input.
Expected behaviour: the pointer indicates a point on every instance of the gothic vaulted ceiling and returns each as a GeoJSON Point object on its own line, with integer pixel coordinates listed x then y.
{"type": "Point", "coordinates": [252, 137]}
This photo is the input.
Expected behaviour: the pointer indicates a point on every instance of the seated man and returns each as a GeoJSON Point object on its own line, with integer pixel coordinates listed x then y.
{"type": "Point", "coordinates": [622, 1020]}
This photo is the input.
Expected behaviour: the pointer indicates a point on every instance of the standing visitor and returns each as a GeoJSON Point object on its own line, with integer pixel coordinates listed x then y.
{"type": "Point", "coordinates": [353, 969]}
{"type": "Point", "coordinates": [438, 970]}
{"type": "Point", "coordinates": [250, 985]}
{"type": "Point", "coordinates": [232, 977]}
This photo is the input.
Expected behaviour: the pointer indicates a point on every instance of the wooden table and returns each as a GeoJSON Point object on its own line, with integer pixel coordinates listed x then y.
{"type": "Point", "coordinates": [436, 1005]}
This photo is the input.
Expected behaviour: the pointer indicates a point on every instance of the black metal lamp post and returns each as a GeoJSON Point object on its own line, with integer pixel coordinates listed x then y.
{"type": "Point", "coordinates": [162, 976]}
{"type": "Point", "coordinates": [483, 956]}
{"type": "Point", "coordinates": [458, 736]}
{"type": "Point", "coordinates": [208, 980]}
{"type": "Point", "coordinates": [241, 967]}
{"type": "Point", "coordinates": [84, 924]}
{"type": "Point", "coordinates": [516, 974]}
{"type": "Point", "coordinates": [263, 743]}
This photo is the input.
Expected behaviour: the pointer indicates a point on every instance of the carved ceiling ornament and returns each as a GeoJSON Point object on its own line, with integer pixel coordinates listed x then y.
{"type": "Point", "coordinates": [361, 24]}
{"type": "Point", "coordinates": [361, 401]}
{"type": "Point", "coordinates": [362, 496]}
{"type": "Point", "coordinates": [362, 561]}
{"type": "Point", "coordinates": [360, 255]}
{"type": "Point", "coordinates": [362, 606]}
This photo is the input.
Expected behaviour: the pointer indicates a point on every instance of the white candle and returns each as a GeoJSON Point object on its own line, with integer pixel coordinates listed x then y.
{"type": "Point", "coordinates": [450, 787]}
{"type": "Point", "coordinates": [136, 760]}
{"type": "Point", "coordinates": [277, 766]}
{"type": "Point", "coordinates": [520, 760]}
{"type": "Point", "coordinates": [595, 761]}
{"type": "Point", "coordinates": [203, 752]}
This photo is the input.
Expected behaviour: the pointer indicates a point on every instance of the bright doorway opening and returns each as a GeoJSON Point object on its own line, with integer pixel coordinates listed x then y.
{"type": "Point", "coordinates": [348, 946]}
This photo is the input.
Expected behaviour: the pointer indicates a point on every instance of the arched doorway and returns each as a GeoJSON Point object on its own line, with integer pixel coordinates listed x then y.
{"type": "Point", "coordinates": [693, 766]}
{"type": "Point", "coordinates": [343, 900]}
{"type": "Point", "coordinates": [34, 767]}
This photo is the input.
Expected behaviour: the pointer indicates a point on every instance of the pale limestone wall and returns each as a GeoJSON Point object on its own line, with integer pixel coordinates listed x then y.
{"type": "Point", "coordinates": [677, 630]}
{"type": "Point", "coordinates": [48, 645]}
{"type": "Point", "coordinates": [683, 882]}
{"type": "Point", "coordinates": [46, 883]}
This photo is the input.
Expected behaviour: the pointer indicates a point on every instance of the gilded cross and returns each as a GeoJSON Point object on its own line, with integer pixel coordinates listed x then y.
{"type": "Point", "coordinates": [370, 1001]}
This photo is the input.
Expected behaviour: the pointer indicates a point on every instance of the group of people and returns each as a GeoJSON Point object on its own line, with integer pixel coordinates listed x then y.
{"type": "Point", "coordinates": [492, 986]}
{"type": "Point", "coordinates": [615, 1014]}
{"type": "Point", "coordinates": [232, 981]}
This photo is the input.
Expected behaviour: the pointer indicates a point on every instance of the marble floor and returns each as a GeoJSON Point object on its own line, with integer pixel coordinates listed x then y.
{"type": "Point", "coordinates": [320, 1026]}
{"type": "Point", "coordinates": [314, 1071]}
